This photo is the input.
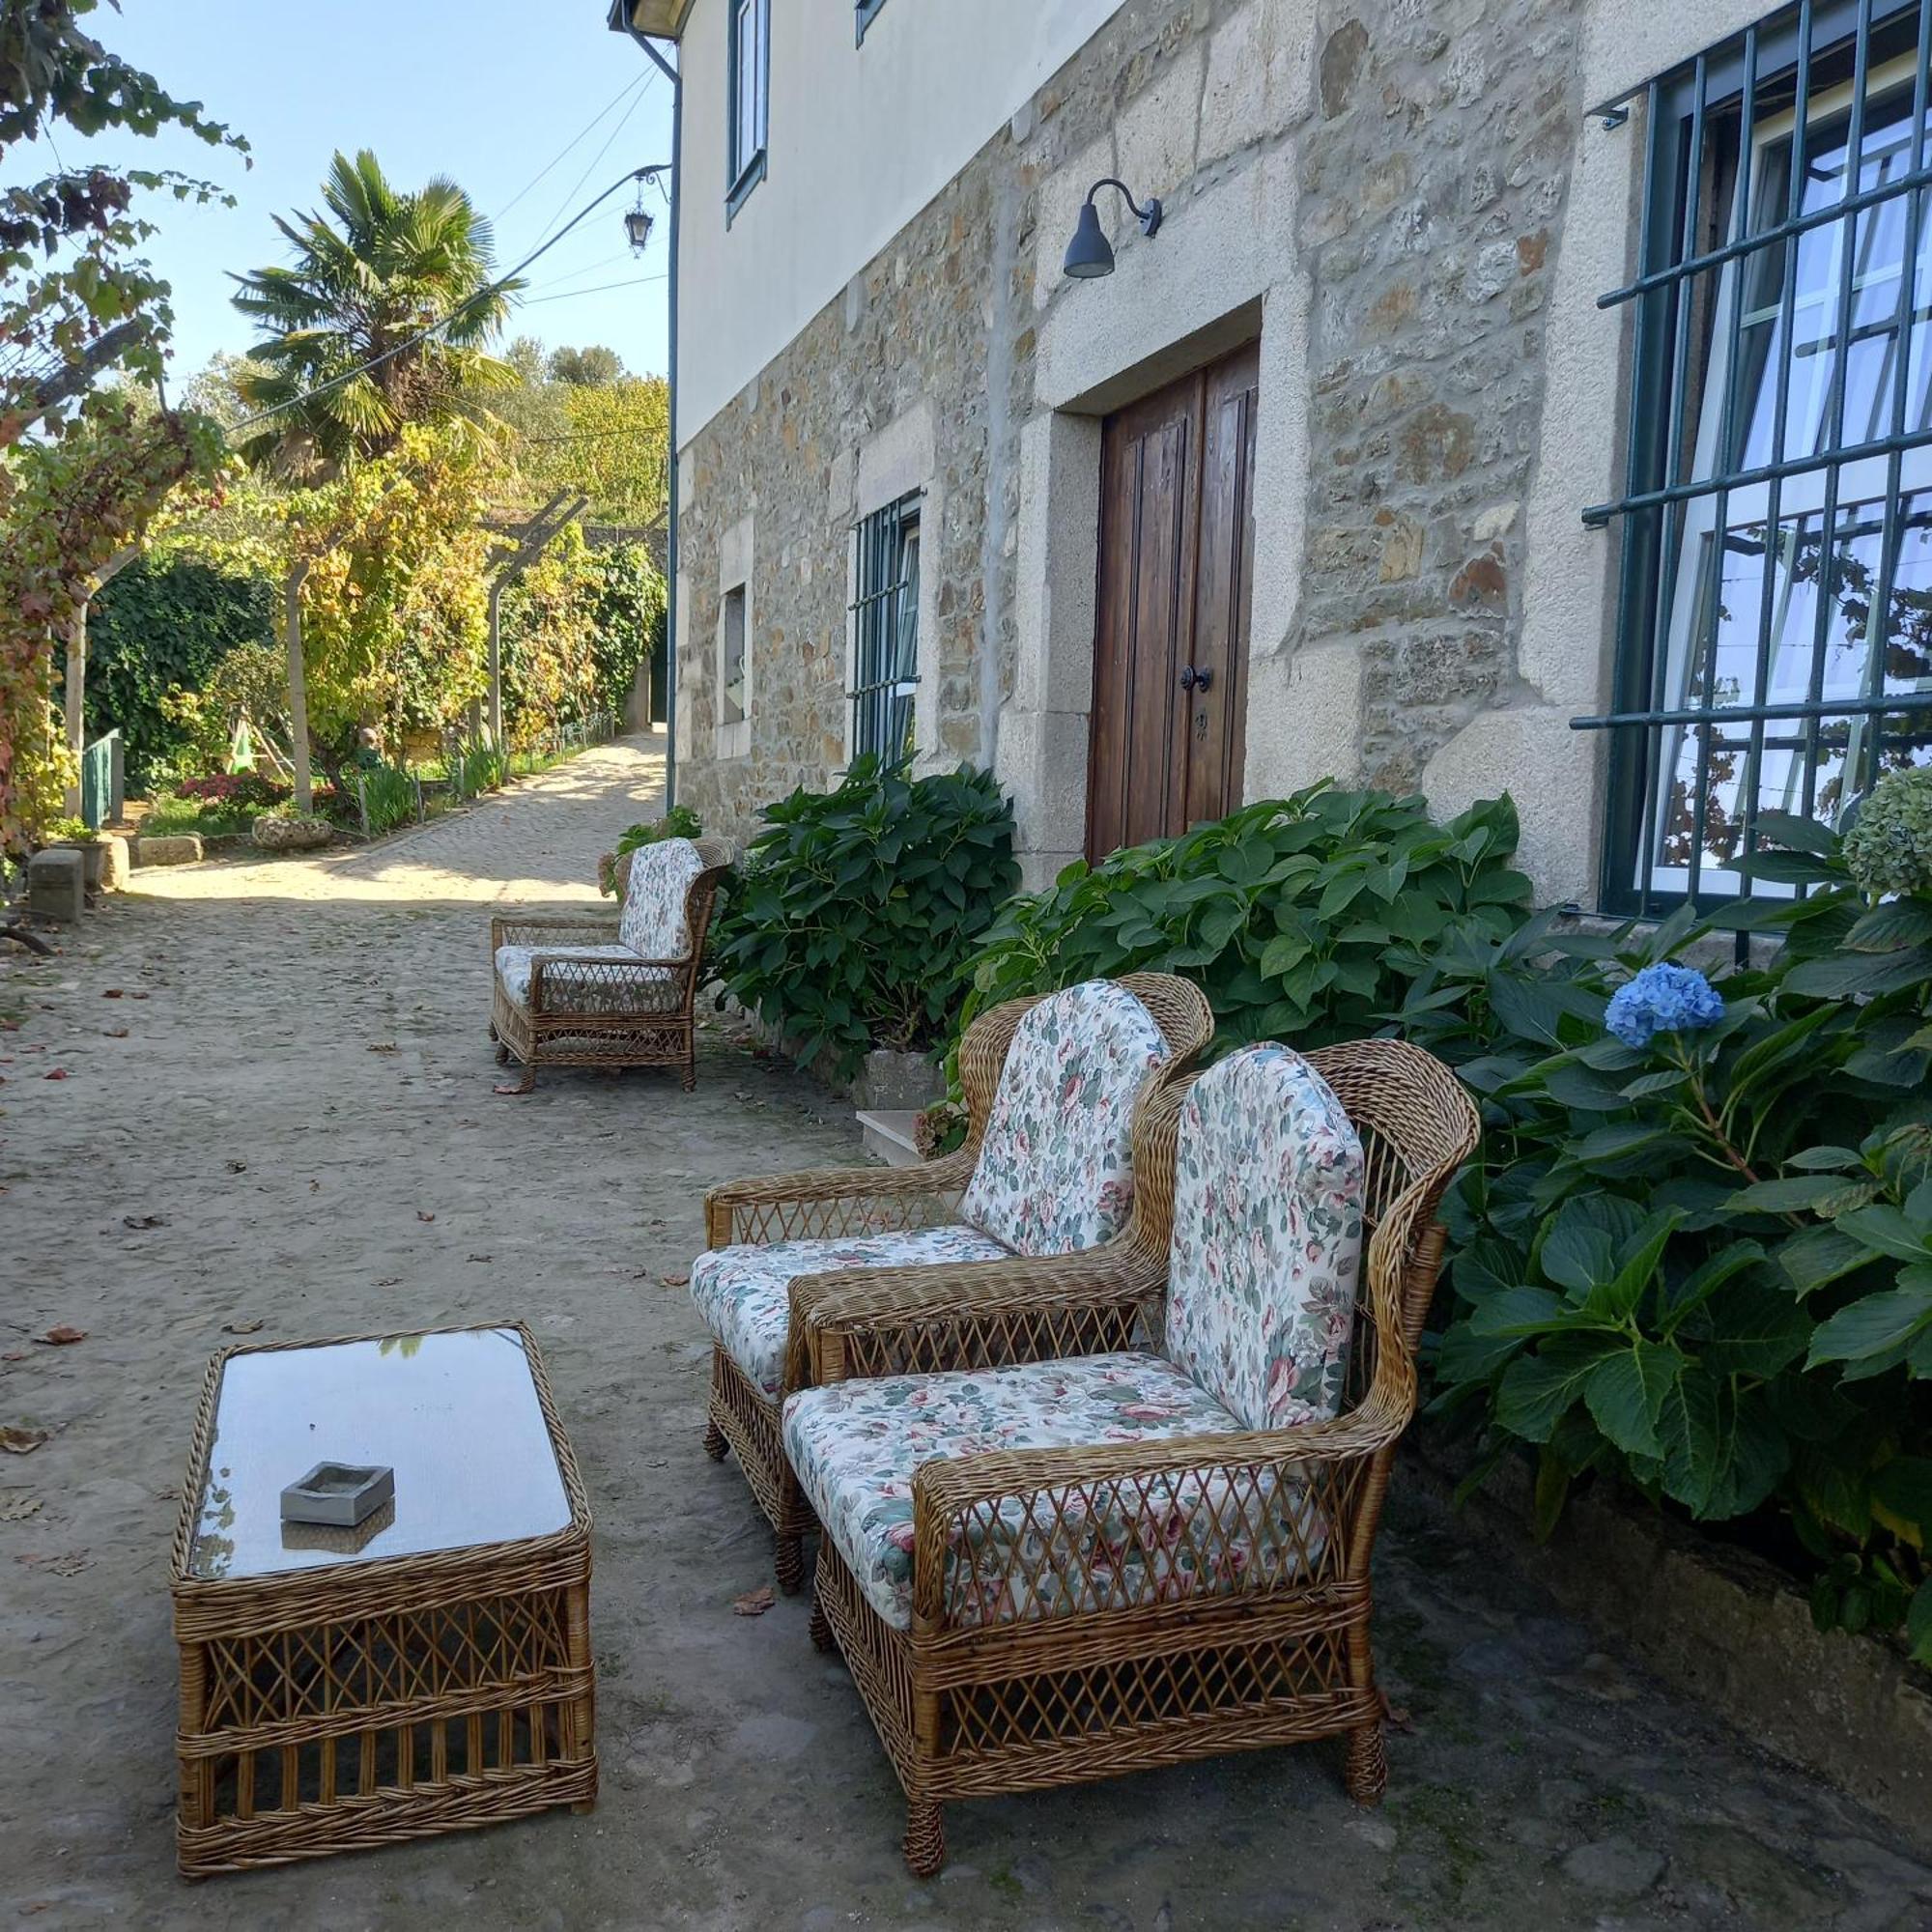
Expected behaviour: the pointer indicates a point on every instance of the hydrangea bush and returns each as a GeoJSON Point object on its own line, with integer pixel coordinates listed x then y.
{"type": "Point", "coordinates": [1696, 1254]}
{"type": "Point", "coordinates": [1888, 848]}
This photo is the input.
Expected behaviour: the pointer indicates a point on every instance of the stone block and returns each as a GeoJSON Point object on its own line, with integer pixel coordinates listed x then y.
{"type": "Point", "coordinates": [178, 849]}
{"type": "Point", "coordinates": [57, 883]}
{"type": "Point", "coordinates": [893, 1082]}
{"type": "Point", "coordinates": [114, 862]}
{"type": "Point", "coordinates": [1156, 131]}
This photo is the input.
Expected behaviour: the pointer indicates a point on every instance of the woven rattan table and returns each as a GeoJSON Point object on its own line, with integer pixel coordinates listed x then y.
{"type": "Point", "coordinates": [428, 1672]}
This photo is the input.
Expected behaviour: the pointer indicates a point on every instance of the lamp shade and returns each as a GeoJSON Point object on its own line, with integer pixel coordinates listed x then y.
{"type": "Point", "coordinates": [638, 226]}
{"type": "Point", "coordinates": [1089, 253]}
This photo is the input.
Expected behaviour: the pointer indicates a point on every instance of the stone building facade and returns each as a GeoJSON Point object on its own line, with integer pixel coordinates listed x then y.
{"type": "Point", "coordinates": [1413, 210]}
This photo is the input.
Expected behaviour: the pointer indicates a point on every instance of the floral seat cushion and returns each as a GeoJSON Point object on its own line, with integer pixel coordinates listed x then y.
{"type": "Point", "coordinates": [1109, 1545]}
{"type": "Point", "coordinates": [1055, 1173]}
{"type": "Point", "coordinates": [655, 924]}
{"type": "Point", "coordinates": [1267, 1238]}
{"type": "Point", "coordinates": [744, 1293]}
{"type": "Point", "coordinates": [587, 978]}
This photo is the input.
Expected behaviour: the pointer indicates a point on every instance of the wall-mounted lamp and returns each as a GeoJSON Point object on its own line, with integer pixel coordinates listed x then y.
{"type": "Point", "coordinates": [1089, 253]}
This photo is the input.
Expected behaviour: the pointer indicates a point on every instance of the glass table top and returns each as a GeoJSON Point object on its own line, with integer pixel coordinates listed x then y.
{"type": "Point", "coordinates": [455, 1415]}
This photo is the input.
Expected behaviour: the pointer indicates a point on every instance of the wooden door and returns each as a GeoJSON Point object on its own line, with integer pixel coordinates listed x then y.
{"type": "Point", "coordinates": [1177, 568]}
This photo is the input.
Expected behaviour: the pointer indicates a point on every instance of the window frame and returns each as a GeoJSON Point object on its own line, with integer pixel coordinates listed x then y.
{"type": "Point", "coordinates": [745, 164]}
{"type": "Point", "coordinates": [1649, 726]}
{"type": "Point", "coordinates": [877, 682]}
{"type": "Point", "coordinates": [865, 11]}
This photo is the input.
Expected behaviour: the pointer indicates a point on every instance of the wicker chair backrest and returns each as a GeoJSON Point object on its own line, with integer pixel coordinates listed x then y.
{"type": "Point", "coordinates": [1267, 1246]}
{"type": "Point", "coordinates": [1055, 1170]}
{"type": "Point", "coordinates": [656, 920]}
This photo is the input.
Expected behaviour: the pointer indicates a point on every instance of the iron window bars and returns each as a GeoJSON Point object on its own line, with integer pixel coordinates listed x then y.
{"type": "Point", "coordinates": [885, 631]}
{"type": "Point", "coordinates": [1779, 482]}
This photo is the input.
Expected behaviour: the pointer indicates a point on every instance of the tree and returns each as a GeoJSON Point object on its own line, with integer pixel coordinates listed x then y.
{"type": "Point", "coordinates": [587, 368]}
{"type": "Point", "coordinates": [403, 280]}
{"type": "Point", "coordinates": [393, 588]}
{"type": "Point", "coordinates": [77, 305]}
{"type": "Point", "coordinates": [75, 301]}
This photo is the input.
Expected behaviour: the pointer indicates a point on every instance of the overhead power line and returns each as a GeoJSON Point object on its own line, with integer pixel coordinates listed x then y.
{"type": "Point", "coordinates": [601, 288]}
{"type": "Point", "coordinates": [623, 92]}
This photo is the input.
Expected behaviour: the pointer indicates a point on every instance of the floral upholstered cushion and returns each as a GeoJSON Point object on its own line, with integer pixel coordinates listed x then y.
{"type": "Point", "coordinates": [1055, 1173]}
{"type": "Point", "coordinates": [1107, 1545]}
{"type": "Point", "coordinates": [589, 979]}
{"type": "Point", "coordinates": [654, 924]}
{"type": "Point", "coordinates": [743, 1292]}
{"type": "Point", "coordinates": [1267, 1238]}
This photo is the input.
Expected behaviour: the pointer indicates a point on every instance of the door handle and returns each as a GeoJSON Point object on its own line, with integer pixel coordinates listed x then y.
{"type": "Point", "coordinates": [1195, 680]}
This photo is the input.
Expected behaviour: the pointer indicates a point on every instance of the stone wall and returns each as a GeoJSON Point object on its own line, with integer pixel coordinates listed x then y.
{"type": "Point", "coordinates": [1382, 188]}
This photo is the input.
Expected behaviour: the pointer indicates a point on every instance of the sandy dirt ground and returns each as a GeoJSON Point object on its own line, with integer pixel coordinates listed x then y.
{"type": "Point", "coordinates": [294, 1077]}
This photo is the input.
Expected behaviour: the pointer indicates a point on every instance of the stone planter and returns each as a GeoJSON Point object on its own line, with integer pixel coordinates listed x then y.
{"type": "Point", "coordinates": [292, 834]}
{"type": "Point", "coordinates": [897, 1082]}
{"type": "Point", "coordinates": [98, 869]}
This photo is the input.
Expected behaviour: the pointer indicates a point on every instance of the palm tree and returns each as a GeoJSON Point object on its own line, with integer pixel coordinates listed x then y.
{"type": "Point", "coordinates": [368, 277]}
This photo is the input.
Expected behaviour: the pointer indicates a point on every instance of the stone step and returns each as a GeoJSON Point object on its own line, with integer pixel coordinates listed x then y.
{"type": "Point", "coordinates": [890, 1135]}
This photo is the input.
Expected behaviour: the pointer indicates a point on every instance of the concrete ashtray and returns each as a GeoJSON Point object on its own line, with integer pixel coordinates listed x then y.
{"type": "Point", "coordinates": [339, 1493]}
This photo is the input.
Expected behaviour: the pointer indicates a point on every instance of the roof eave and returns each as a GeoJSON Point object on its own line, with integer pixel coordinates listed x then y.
{"type": "Point", "coordinates": [660, 19]}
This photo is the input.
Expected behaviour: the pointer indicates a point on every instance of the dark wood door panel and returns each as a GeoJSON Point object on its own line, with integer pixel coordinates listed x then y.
{"type": "Point", "coordinates": [1223, 588]}
{"type": "Point", "coordinates": [1175, 568]}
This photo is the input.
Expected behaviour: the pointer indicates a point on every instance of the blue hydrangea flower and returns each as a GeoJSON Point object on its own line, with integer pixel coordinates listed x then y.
{"type": "Point", "coordinates": [1663, 998]}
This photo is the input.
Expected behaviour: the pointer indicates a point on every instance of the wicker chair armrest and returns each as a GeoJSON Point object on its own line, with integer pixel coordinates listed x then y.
{"type": "Point", "coordinates": [833, 1201]}
{"type": "Point", "coordinates": [885, 1322]}
{"type": "Point", "coordinates": [1330, 1469]}
{"type": "Point", "coordinates": [537, 929]}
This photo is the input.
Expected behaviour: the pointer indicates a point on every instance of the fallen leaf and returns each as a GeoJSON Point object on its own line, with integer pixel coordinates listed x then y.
{"type": "Point", "coordinates": [17, 1509]}
{"type": "Point", "coordinates": [675, 1280]}
{"type": "Point", "coordinates": [248, 1327]}
{"type": "Point", "coordinates": [14, 1355]}
{"type": "Point", "coordinates": [111, 993]}
{"type": "Point", "coordinates": [61, 1335]}
{"type": "Point", "coordinates": [55, 1073]}
{"type": "Point", "coordinates": [115, 1033]}
{"type": "Point", "coordinates": [390, 1281]}
{"type": "Point", "coordinates": [421, 1216]}
{"type": "Point", "coordinates": [315, 1187]}
{"type": "Point", "coordinates": [1396, 1715]}
{"type": "Point", "coordinates": [140, 1221]}
{"type": "Point", "coordinates": [69, 1563]}
{"type": "Point", "coordinates": [382, 1046]}
{"type": "Point", "coordinates": [20, 1441]}
{"type": "Point", "coordinates": [238, 1166]}
{"type": "Point", "coordinates": [138, 996]}
{"type": "Point", "coordinates": [479, 1258]}
{"type": "Point", "coordinates": [754, 1603]}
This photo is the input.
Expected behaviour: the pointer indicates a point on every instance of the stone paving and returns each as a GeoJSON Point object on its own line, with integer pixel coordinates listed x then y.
{"type": "Point", "coordinates": [306, 1078]}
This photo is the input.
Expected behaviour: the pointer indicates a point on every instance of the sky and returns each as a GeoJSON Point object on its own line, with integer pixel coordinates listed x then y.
{"type": "Point", "coordinates": [487, 93]}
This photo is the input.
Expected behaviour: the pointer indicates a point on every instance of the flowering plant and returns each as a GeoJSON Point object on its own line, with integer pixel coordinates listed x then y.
{"type": "Point", "coordinates": [1663, 998]}
{"type": "Point", "coordinates": [1889, 847]}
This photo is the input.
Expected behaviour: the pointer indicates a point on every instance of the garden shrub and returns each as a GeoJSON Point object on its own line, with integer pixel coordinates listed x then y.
{"type": "Point", "coordinates": [1695, 1252]}
{"type": "Point", "coordinates": [246, 790]}
{"type": "Point", "coordinates": [1303, 919]}
{"type": "Point", "coordinates": [854, 919]}
{"type": "Point", "coordinates": [159, 626]}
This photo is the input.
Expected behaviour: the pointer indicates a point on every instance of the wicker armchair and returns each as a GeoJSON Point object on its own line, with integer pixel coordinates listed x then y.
{"type": "Point", "coordinates": [1043, 1179]}
{"type": "Point", "coordinates": [1058, 1570]}
{"type": "Point", "coordinates": [618, 991]}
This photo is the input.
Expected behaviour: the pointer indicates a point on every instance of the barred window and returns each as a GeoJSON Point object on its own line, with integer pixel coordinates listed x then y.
{"type": "Point", "coordinates": [885, 631]}
{"type": "Point", "coordinates": [1775, 603]}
